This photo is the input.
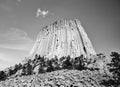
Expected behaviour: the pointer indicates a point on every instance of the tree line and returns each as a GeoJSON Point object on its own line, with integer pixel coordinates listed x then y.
{"type": "Point", "coordinates": [45, 65]}
{"type": "Point", "coordinates": [53, 64]}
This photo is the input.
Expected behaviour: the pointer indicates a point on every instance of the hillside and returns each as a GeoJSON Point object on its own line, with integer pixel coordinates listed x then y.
{"type": "Point", "coordinates": [63, 72]}
{"type": "Point", "coordinates": [60, 78]}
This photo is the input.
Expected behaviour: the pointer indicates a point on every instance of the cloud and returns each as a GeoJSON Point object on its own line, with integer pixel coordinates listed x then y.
{"type": "Point", "coordinates": [4, 61]}
{"type": "Point", "coordinates": [3, 58]}
{"type": "Point", "coordinates": [15, 44]}
{"type": "Point", "coordinates": [15, 39]}
{"type": "Point", "coordinates": [22, 47]}
{"type": "Point", "coordinates": [19, 0]}
{"type": "Point", "coordinates": [15, 34]}
{"type": "Point", "coordinates": [5, 7]}
{"type": "Point", "coordinates": [42, 13]}
{"type": "Point", "coordinates": [8, 59]}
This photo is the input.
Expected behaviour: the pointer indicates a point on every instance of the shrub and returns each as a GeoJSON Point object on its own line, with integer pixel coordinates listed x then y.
{"type": "Point", "coordinates": [79, 63]}
{"type": "Point", "coordinates": [41, 70]}
{"type": "Point", "coordinates": [49, 66]}
{"type": "Point", "coordinates": [2, 75]}
{"type": "Point", "coordinates": [29, 69]}
{"type": "Point", "coordinates": [67, 63]}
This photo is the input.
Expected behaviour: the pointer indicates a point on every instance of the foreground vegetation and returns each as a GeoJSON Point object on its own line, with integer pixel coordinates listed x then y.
{"type": "Point", "coordinates": [59, 78]}
{"type": "Point", "coordinates": [108, 71]}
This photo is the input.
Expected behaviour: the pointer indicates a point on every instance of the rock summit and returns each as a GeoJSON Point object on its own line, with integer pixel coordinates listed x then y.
{"type": "Point", "coordinates": [64, 37]}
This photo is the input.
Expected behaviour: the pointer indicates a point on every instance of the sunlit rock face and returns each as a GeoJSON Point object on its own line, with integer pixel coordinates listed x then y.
{"type": "Point", "coordinates": [62, 38]}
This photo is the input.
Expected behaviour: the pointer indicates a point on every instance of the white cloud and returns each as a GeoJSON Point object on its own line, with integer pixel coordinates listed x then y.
{"type": "Point", "coordinates": [15, 39]}
{"type": "Point", "coordinates": [19, 0]}
{"type": "Point", "coordinates": [15, 34]}
{"type": "Point", "coordinates": [42, 13]}
{"type": "Point", "coordinates": [3, 58]}
{"type": "Point", "coordinates": [8, 59]}
{"type": "Point", "coordinates": [15, 44]}
{"type": "Point", "coordinates": [22, 47]}
{"type": "Point", "coordinates": [4, 61]}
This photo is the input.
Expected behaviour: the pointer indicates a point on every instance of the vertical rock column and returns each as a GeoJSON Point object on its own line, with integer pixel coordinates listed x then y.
{"type": "Point", "coordinates": [62, 38]}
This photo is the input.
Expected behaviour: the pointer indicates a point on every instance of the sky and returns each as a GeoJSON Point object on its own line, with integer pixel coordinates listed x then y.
{"type": "Point", "coordinates": [21, 21]}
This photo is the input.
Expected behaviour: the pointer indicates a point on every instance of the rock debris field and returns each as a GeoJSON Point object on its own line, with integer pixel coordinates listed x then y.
{"type": "Point", "coordinates": [60, 78]}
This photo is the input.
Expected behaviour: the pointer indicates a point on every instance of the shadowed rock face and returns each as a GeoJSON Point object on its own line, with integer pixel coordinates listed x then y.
{"type": "Point", "coordinates": [62, 38]}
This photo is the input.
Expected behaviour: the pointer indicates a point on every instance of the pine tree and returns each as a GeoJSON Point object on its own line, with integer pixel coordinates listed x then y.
{"type": "Point", "coordinates": [67, 63]}
{"type": "Point", "coordinates": [49, 66]}
{"type": "Point", "coordinates": [29, 67]}
{"type": "Point", "coordinates": [79, 63]}
{"type": "Point", "coordinates": [2, 75]}
{"type": "Point", "coordinates": [115, 68]}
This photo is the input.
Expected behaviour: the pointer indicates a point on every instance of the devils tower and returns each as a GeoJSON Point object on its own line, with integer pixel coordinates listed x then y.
{"type": "Point", "coordinates": [63, 42]}
{"type": "Point", "coordinates": [64, 37]}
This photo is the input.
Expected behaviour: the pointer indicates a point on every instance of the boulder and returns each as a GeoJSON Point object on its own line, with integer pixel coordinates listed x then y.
{"type": "Point", "coordinates": [36, 69]}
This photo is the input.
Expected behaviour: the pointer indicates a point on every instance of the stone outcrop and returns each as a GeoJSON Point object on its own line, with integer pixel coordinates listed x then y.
{"type": "Point", "coordinates": [62, 78]}
{"type": "Point", "coordinates": [62, 38]}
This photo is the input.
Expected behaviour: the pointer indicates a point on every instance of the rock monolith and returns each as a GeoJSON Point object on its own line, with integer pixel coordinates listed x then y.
{"type": "Point", "coordinates": [62, 38]}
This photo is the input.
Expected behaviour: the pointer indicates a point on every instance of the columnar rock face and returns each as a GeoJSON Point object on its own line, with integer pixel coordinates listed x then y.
{"type": "Point", "coordinates": [62, 38]}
